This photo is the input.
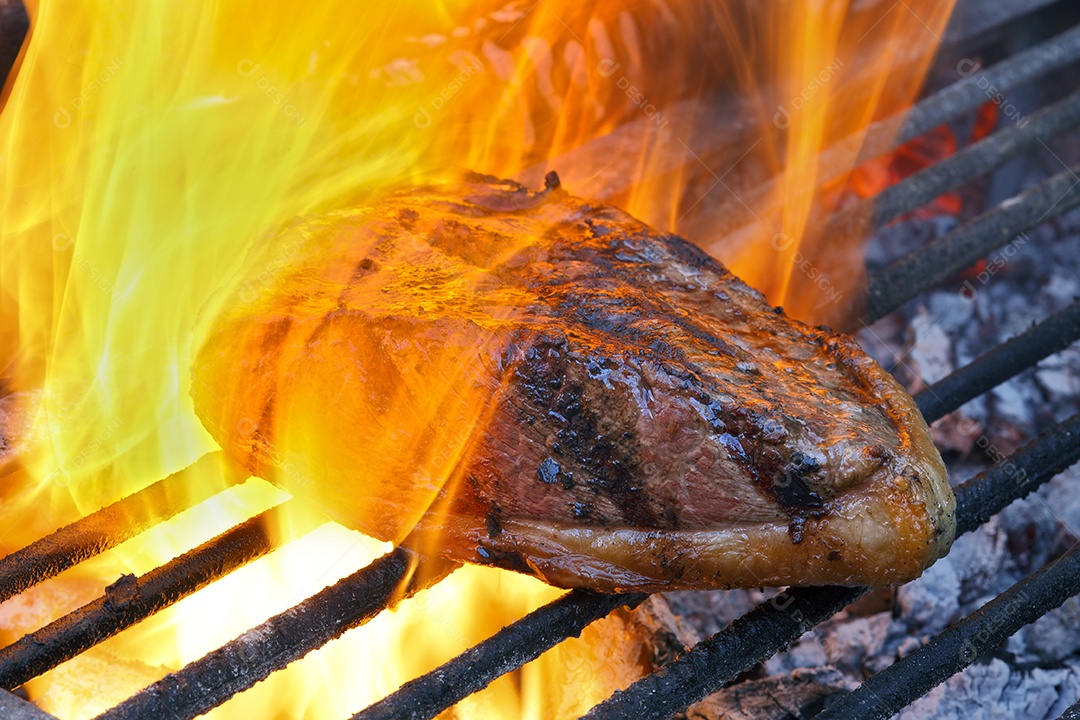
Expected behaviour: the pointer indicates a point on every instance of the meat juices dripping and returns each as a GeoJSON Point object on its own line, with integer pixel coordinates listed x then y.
{"type": "Point", "coordinates": [536, 381]}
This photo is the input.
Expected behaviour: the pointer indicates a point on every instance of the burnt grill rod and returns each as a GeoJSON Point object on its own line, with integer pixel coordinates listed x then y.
{"type": "Point", "coordinates": [112, 525]}
{"type": "Point", "coordinates": [972, 91]}
{"type": "Point", "coordinates": [952, 172]}
{"type": "Point", "coordinates": [994, 367]}
{"type": "Point", "coordinates": [900, 684]}
{"type": "Point", "coordinates": [777, 623]}
{"type": "Point", "coordinates": [132, 599]}
{"type": "Point", "coordinates": [935, 262]}
{"type": "Point", "coordinates": [234, 667]}
{"type": "Point", "coordinates": [509, 649]}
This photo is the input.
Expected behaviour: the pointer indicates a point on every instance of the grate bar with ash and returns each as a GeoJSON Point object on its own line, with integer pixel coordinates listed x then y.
{"type": "Point", "coordinates": [507, 650]}
{"type": "Point", "coordinates": [206, 683]}
{"type": "Point", "coordinates": [994, 367]}
{"type": "Point", "coordinates": [111, 525]}
{"type": "Point", "coordinates": [948, 255]}
{"type": "Point", "coordinates": [132, 599]}
{"type": "Point", "coordinates": [900, 684]}
{"type": "Point", "coordinates": [1072, 713]}
{"type": "Point", "coordinates": [950, 173]}
{"type": "Point", "coordinates": [949, 103]}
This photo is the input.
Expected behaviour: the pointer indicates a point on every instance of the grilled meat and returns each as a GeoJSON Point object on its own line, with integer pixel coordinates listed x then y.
{"type": "Point", "coordinates": [536, 381]}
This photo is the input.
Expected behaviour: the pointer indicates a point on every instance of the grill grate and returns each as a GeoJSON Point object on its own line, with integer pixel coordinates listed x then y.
{"type": "Point", "coordinates": [883, 695]}
{"type": "Point", "coordinates": [240, 663]}
{"type": "Point", "coordinates": [773, 625]}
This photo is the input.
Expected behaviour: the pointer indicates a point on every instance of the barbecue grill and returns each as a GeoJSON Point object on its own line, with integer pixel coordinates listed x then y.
{"type": "Point", "coordinates": [705, 668]}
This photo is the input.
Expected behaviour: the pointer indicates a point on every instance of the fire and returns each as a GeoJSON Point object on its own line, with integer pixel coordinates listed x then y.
{"type": "Point", "coordinates": [152, 150]}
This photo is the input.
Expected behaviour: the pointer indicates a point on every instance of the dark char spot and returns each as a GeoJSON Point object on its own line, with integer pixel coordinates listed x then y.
{"type": "Point", "coordinates": [791, 488]}
{"type": "Point", "coordinates": [548, 472]}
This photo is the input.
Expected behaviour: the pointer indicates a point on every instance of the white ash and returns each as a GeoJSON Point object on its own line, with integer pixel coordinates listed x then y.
{"type": "Point", "coordinates": [710, 612]}
{"type": "Point", "coordinates": [929, 349]}
{"type": "Point", "coordinates": [997, 691]}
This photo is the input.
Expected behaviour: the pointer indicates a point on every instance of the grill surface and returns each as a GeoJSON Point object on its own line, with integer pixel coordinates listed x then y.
{"type": "Point", "coordinates": [770, 627]}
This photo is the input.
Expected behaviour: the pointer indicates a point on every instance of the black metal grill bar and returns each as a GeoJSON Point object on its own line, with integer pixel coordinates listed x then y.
{"type": "Point", "coordinates": [132, 599]}
{"type": "Point", "coordinates": [900, 684]}
{"type": "Point", "coordinates": [987, 494]}
{"type": "Point", "coordinates": [952, 172]}
{"type": "Point", "coordinates": [1050, 336]}
{"type": "Point", "coordinates": [714, 661]}
{"type": "Point", "coordinates": [969, 93]}
{"type": "Point", "coordinates": [112, 525]}
{"type": "Point", "coordinates": [507, 650]}
{"type": "Point", "coordinates": [234, 667]}
{"type": "Point", "coordinates": [935, 262]}
{"type": "Point", "coordinates": [717, 660]}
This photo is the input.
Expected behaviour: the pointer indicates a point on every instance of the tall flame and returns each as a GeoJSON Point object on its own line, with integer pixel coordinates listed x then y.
{"type": "Point", "coordinates": [146, 148]}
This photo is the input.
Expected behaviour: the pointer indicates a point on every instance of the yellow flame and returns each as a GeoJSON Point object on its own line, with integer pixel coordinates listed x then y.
{"type": "Point", "coordinates": [147, 147]}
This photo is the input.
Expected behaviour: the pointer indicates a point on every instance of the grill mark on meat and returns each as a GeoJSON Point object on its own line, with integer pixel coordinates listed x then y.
{"type": "Point", "coordinates": [608, 457]}
{"type": "Point", "coordinates": [783, 478]}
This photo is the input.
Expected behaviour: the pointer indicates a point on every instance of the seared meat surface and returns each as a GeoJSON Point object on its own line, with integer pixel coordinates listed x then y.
{"type": "Point", "coordinates": [536, 381]}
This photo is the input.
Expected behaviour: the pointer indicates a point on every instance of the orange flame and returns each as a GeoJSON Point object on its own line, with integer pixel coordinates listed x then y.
{"type": "Point", "coordinates": [148, 147]}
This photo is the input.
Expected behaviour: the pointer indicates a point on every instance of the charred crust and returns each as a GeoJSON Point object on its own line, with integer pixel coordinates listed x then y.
{"type": "Point", "coordinates": [792, 489]}
{"type": "Point", "coordinates": [592, 435]}
{"type": "Point", "coordinates": [548, 471]}
{"type": "Point", "coordinates": [796, 528]}
{"type": "Point", "coordinates": [598, 230]}
{"type": "Point", "coordinates": [507, 559]}
{"type": "Point", "coordinates": [582, 511]}
{"type": "Point", "coordinates": [494, 526]}
{"type": "Point", "coordinates": [364, 267]}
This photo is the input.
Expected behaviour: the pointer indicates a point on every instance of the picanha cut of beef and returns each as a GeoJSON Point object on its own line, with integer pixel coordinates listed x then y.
{"type": "Point", "coordinates": [536, 381]}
